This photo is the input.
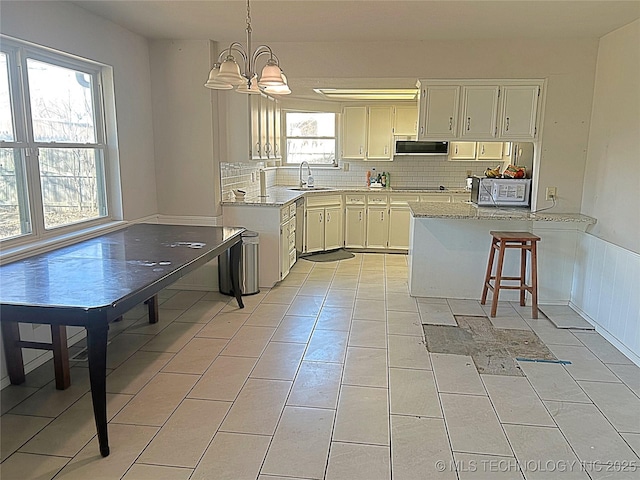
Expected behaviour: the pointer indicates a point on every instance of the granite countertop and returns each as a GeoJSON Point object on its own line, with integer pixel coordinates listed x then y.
{"type": "Point", "coordinates": [283, 195]}
{"type": "Point", "coordinates": [468, 211]}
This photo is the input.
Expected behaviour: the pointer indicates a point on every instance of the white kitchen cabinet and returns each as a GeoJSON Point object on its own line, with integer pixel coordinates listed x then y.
{"type": "Point", "coordinates": [251, 127]}
{"type": "Point", "coordinates": [333, 236]}
{"type": "Point", "coordinates": [405, 120]}
{"type": "Point", "coordinates": [354, 133]}
{"type": "Point", "coordinates": [284, 248]}
{"type": "Point", "coordinates": [355, 221]}
{"type": "Point", "coordinates": [377, 226]}
{"type": "Point", "coordinates": [438, 117]}
{"type": "Point", "coordinates": [324, 223]}
{"type": "Point", "coordinates": [519, 111]}
{"type": "Point", "coordinates": [489, 150]}
{"type": "Point", "coordinates": [480, 111]}
{"type": "Point", "coordinates": [400, 219]}
{"type": "Point", "coordinates": [380, 133]}
{"type": "Point", "coordinates": [275, 226]}
{"type": "Point", "coordinates": [314, 225]}
{"type": "Point", "coordinates": [462, 151]}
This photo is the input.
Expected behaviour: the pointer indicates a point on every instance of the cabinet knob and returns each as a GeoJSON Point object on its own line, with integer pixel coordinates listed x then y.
{"type": "Point", "coordinates": [507, 129]}
{"type": "Point", "coordinates": [382, 216]}
{"type": "Point", "coordinates": [421, 129]}
{"type": "Point", "coordinates": [320, 218]}
{"type": "Point", "coordinates": [328, 217]}
{"type": "Point", "coordinates": [450, 123]}
{"type": "Point", "coordinates": [468, 123]}
{"type": "Point", "coordinates": [359, 216]}
{"type": "Point", "coordinates": [386, 149]}
{"type": "Point", "coordinates": [360, 149]}
{"type": "Point", "coordinates": [482, 152]}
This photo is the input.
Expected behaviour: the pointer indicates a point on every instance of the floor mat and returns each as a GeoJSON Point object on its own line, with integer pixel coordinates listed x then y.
{"type": "Point", "coordinates": [493, 350]}
{"type": "Point", "coordinates": [334, 256]}
{"type": "Point", "coordinates": [563, 316]}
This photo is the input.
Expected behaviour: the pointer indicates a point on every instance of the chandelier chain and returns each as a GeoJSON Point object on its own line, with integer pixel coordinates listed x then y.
{"type": "Point", "coordinates": [248, 17]}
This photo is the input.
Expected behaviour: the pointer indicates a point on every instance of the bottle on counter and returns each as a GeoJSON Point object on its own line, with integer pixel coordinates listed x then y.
{"type": "Point", "coordinates": [368, 178]}
{"type": "Point", "coordinates": [383, 179]}
{"type": "Point", "coordinates": [388, 180]}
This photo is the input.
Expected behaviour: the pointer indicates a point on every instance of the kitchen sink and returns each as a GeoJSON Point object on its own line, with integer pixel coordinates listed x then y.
{"type": "Point", "coordinates": [310, 189]}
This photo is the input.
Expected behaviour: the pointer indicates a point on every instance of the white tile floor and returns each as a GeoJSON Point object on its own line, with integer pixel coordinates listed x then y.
{"type": "Point", "coordinates": [327, 377]}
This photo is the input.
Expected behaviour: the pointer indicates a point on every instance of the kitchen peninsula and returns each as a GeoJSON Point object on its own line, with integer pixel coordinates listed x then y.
{"type": "Point", "coordinates": [449, 246]}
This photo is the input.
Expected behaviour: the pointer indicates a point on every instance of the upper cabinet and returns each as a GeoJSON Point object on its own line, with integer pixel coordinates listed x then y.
{"type": "Point", "coordinates": [405, 122]}
{"type": "Point", "coordinates": [253, 127]}
{"type": "Point", "coordinates": [438, 111]}
{"type": "Point", "coordinates": [367, 133]}
{"type": "Point", "coordinates": [479, 109]}
{"type": "Point", "coordinates": [519, 109]}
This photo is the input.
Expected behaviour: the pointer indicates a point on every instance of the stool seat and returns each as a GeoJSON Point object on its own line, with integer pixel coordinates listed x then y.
{"type": "Point", "coordinates": [525, 241]}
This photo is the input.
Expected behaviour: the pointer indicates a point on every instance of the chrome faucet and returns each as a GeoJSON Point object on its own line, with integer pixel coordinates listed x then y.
{"type": "Point", "coordinates": [302, 164]}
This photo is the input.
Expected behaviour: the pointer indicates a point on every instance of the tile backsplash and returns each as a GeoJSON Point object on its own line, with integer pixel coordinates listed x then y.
{"type": "Point", "coordinates": [418, 171]}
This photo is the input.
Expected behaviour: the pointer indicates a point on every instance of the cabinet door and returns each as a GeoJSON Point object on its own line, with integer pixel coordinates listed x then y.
{"type": "Point", "coordinates": [406, 120]}
{"type": "Point", "coordinates": [333, 237]}
{"type": "Point", "coordinates": [284, 249]}
{"type": "Point", "coordinates": [354, 132]}
{"type": "Point", "coordinates": [314, 230]}
{"type": "Point", "coordinates": [256, 135]}
{"type": "Point", "coordinates": [399, 219]}
{"type": "Point", "coordinates": [490, 150]}
{"type": "Point", "coordinates": [354, 234]}
{"type": "Point", "coordinates": [462, 151]}
{"type": "Point", "coordinates": [277, 134]}
{"type": "Point", "coordinates": [377, 227]}
{"type": "Point", "coordinates": [379, 133]}
{"type": "Point", "coordinates": [439, 112]}
{"type": "Point", "coordinates": [480, 111]}
{"type": "Point", "coordinates": [519, 110]}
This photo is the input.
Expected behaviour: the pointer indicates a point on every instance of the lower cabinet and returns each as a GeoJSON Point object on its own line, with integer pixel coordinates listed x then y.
{"type": "Point", "coordinates": [354, 226]}
{"type": "Point", "coordinates": [276, 227]}
{"type": "Point", "coordinates": [324, 223]}
{"type": "Point", "coordinates": [377, 226]}
{"type": "Point", "coordinates": [399, 222]}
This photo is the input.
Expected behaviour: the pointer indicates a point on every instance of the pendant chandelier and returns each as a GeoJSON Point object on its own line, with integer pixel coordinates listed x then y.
{"type": "Point", "coordinates": [226, 74]}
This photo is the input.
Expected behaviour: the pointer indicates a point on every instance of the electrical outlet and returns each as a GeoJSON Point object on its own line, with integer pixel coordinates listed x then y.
{"type": "Point", "coordinates": [253, 177]}
{"type": "Point", "coordinates": [551, 193]}
{"type": "Point", "coordinates": [345, 167]}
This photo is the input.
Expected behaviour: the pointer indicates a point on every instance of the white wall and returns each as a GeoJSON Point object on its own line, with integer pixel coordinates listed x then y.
{"type": "Point", "coordinates": [611, 191]}
{"type": "Point", "coordinates": [187, 174]}
{"type": "Point", "coordinates": [607, 274]}
{"type": "Point", "coordinates": [65, 27]}
{"type": "Point", "coordinates": [568, 65]}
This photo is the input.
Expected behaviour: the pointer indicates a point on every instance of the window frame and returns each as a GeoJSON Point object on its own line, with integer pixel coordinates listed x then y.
{"type": "Point", "coordinates": [285, 138]}
{"type": "Point", "coordinates": [18, 53]}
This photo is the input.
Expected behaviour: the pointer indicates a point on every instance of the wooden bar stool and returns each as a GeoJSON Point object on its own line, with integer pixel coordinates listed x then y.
{"type": "Point", "coordinates": [501, 241]}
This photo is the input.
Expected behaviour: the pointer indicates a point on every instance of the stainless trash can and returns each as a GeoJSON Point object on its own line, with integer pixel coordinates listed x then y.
{"type": "Point", "coordinates": [249, 263]}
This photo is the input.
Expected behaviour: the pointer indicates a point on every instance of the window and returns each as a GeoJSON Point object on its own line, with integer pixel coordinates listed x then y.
{"type": "Point", "coordinates": [310, 136]}
{"type": "Point", "coordinates": [52, 143]}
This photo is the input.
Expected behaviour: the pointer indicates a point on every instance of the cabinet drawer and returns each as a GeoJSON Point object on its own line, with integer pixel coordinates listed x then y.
{"type": "Point", "coordinates": [354, 199]}
{"type": "Point", "coordinates": [403, 199]}
{"type": "Point", "coordinates": [292, 210]}
{"type": "Point", "coordinates": [324, 200]}
{"type": "Point", "coordinates": [292, 242]}
{"type": "Point", "coordinates": [292, 258]}
{"type": "Point", "coordinates": [376, 199]}
{"type": "Point", "coordinates": [292, 226]}
{"type": "Point", "coordinates": [284, 214]}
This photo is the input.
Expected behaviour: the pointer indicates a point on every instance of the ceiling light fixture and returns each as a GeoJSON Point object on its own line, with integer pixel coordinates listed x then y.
{"type": "Point", "coordinates": [226, 73]}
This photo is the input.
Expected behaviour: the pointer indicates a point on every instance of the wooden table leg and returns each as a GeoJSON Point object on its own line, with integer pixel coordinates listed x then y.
{"type": "Point", "coordinates": [13, 352]}
{"type": "Point", "coordinates": [60, 356]}
{"type": "Point", "coordinates": [234, 266]}
{"type": "Point", "coordinates": [97, 350]}
{"type": "Point", "coordinates": [152, 303]}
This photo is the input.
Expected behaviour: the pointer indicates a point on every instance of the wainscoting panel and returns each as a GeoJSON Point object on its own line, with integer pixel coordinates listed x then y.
{"type": "Point", "coordinates": [606, 292]}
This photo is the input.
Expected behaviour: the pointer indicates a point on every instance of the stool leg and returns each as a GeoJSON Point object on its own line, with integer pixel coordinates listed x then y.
{"type": "Point", "coordinates": [487, 277]}
{"type": "Point", "coordinates": [534, 281]}
{"type": "Point", "coordinates": [523, 272]}
{"type": "Point", "coordinates": [496, 288]}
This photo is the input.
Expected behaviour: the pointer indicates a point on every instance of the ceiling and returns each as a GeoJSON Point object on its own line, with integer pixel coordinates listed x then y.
{"type": "Point", "coordinates": [366, 20]}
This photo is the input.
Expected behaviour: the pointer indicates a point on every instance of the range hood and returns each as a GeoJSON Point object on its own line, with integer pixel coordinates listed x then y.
{"type": "Point", "coordinates": [419, 147]}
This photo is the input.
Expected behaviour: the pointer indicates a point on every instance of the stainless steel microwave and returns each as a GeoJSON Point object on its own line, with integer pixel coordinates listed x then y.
{"type": "Point", "coordinates": [419, 147]}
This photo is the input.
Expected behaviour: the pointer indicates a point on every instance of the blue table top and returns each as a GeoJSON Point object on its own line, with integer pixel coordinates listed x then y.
{"type": "Point", "coordinates": [102, 271]}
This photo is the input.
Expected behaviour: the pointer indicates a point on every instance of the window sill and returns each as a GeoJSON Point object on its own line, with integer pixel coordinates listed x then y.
{"type": "Point", "coordinates": [25, 250]}
{"type": "Point", "coordinates": [314, 167]}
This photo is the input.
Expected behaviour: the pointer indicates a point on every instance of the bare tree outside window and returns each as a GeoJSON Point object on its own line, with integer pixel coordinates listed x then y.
{"type": "Point", "coordinates": [310, 136]}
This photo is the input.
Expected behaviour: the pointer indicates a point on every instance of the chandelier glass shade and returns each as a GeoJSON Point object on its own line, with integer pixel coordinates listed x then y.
{"type": "Point", "coordinates": [227, 74]}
